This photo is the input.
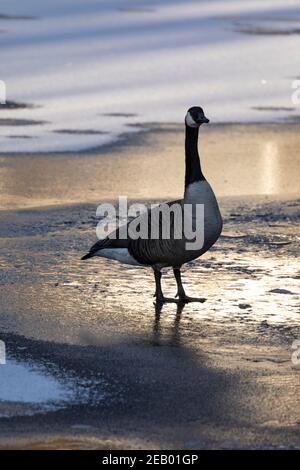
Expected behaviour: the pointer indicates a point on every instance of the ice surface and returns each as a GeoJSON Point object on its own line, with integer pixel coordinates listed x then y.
{"type": "Point", "coordinates": [80, 61]}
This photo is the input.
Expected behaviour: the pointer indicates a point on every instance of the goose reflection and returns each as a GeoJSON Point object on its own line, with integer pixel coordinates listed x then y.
{"type": "Point", "coordinates": [174, 338]}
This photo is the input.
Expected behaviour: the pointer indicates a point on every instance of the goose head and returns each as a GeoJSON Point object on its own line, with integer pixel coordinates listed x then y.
{"type": "Point", "coordinates": [195, 117]}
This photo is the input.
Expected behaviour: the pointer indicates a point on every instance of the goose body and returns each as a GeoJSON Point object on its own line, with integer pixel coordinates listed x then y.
{"type": "Point", "coordinates": [172, 252]}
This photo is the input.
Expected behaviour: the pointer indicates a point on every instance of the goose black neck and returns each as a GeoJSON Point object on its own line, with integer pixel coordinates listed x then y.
{"type": "Point", "coordinates": [193, 170]}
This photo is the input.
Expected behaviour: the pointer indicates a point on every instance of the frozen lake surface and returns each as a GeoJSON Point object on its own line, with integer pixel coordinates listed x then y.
{"type": "Point", "coordinates": [80, 73]}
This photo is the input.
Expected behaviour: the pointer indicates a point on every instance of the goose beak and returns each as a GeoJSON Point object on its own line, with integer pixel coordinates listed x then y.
{"type": "Point", "coordinates": [202, 120]}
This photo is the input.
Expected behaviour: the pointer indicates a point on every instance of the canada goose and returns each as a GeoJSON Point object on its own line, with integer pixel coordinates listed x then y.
{"type": "Point", "coordinates": [172, 252]}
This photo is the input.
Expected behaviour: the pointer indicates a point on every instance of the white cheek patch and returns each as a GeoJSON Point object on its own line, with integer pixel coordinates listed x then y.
{"type": "Point", "coordinates": [190, 121]}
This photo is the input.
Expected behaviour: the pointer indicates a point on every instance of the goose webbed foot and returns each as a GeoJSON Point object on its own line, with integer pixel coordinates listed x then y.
{"type": "Point", "coordinates": [179, 299]}
{"type": "Point", "coordinates": [186, 298]}
{"type": "Point", "coordinates": [181, 292]}
{"type": "Point", "coordinates": [161, 299]}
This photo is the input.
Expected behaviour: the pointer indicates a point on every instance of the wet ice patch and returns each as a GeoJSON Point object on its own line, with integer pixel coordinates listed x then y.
{"type": "Point", "coordinates": [14, 105]}
{"type": "Point", "coordinates": [269, 27]}
{"type": "Point", "coordinates": [80, 131]}
{"type": "Point", "coordinates": [273, 108]}
{"type": "Point", "coordinates": [19, 137]}
{"type": "Point", "coordinates": [119, 114]}
{"type": "Point", "coordinates": [20, 122]}
{"type": "Point", "coordinates": [281, 291]}
{"type": "Point", "coordinates": [16, 17]}
{"type": "Point", "coordinates": [136, 10]}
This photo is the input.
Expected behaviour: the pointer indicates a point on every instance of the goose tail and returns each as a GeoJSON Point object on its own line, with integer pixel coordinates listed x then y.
{"type": "Point", "coordinates": [96, 247]}
{"type": "Point", "coordinates": [88, 255]}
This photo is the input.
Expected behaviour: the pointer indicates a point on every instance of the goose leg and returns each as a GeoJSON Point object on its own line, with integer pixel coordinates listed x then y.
{"type": "Point", "coordinates": [180, 290]}
{"type": "Point", "coordinates": [158, 291]}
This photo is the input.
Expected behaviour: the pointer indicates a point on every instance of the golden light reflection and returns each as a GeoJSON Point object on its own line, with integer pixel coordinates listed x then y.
{"type": "Point", "coordinates": [237, 160]}
{"type": "Point", "coordinates": [270, 172]}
